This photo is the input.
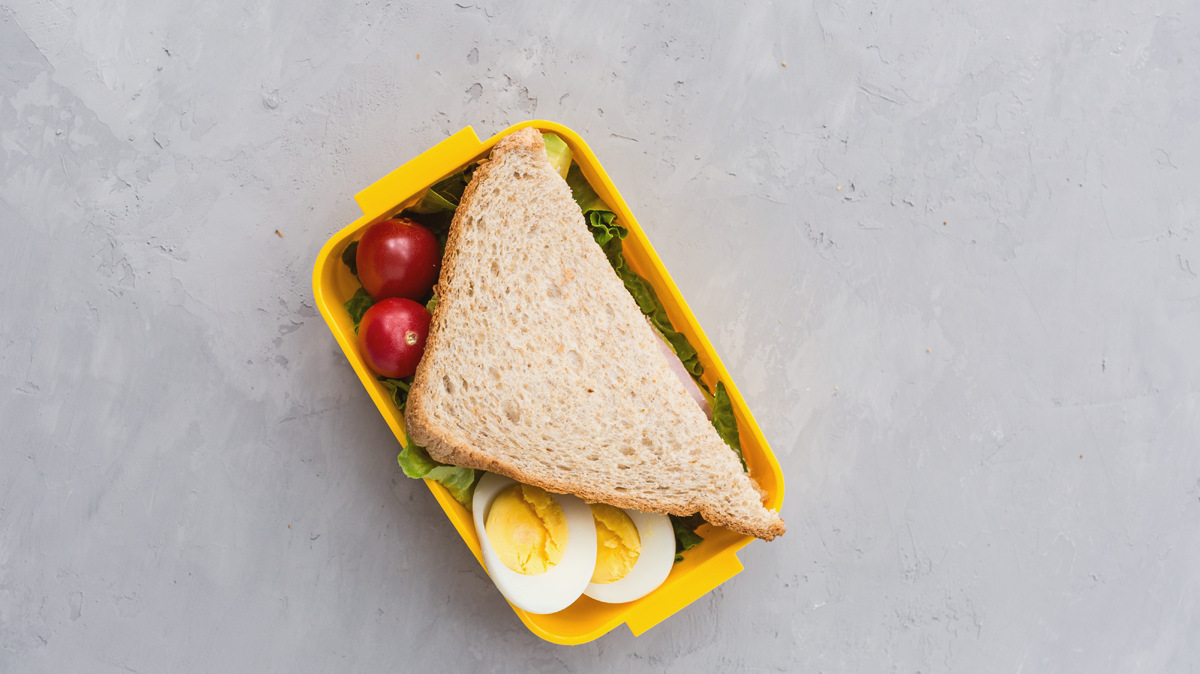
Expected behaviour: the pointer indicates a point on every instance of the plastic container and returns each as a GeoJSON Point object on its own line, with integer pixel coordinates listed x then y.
{"type": "Point", "coordinates": [705, 566]}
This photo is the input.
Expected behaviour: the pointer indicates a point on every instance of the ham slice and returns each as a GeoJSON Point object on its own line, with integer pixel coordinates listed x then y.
{"type": "Point", "coordinates": [680, 371]}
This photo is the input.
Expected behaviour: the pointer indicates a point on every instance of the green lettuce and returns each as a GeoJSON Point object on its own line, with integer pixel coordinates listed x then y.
{"type": "Point", "coordinates": [725, 423]}
{"type": "Point", "coordinates": [398, 388]}
{"type": "Point", "coordinates": [686, 537]}
{"type": "Point", "coordinates": [443, 195]}
{"type": "Point", "coordinates": [414, 460]}
{"type": "Point", "coordinates": [357, 305]}
{"type": "Point", "coordinates": [583, 193]}
{"type": "Point", "coordinates": [558, 152]}
{"type": "Point", "coordinates": [350, 257]}
{"type": "Point", "coordinates": [604, 227]}
{"type": "Point", "coordinates": [433, 202]}
{"type": "Point", "coordinates": [417, 464]}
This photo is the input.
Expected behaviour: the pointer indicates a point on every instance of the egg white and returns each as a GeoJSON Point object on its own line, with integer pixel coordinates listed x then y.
{"type": "Point", "coordinates": [653, 564]}
{"type": "Point", "coordinates": [557, 588]}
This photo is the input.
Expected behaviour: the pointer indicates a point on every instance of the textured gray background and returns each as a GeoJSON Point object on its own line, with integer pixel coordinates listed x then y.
{"type": "Point", "coordinates": [949, 253]}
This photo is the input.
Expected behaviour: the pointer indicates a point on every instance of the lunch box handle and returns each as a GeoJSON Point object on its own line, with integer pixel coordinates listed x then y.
{"type": "Point", "coordinates": [672, 597]}
{"type": "Point", "coordinates": [442, 159]}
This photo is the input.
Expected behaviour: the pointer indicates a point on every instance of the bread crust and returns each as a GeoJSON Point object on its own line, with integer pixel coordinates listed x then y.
{"type": "Point", "coordinates": [450, 445]}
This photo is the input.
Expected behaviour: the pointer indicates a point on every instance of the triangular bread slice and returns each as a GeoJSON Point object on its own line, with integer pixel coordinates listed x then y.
{"type": "Point", "coordinates": [540, 366]}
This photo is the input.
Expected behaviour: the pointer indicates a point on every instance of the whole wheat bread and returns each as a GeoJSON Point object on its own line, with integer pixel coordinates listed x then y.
{"type": "Point", "coordinates": [540, 366]}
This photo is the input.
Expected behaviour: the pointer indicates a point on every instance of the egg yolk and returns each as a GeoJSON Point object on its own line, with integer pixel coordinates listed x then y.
{"type": "Point", "coordinates": [527, 529]}
{"type": "Point", "coordinates": [617, 544]}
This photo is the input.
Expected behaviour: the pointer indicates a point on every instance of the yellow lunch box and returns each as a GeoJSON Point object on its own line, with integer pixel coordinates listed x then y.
{"type": "Point", "coordinates": [705, 566]}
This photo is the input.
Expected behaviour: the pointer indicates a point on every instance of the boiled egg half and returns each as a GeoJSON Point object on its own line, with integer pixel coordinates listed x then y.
{"type": "Point", "coordinates": [635, 553]}
{"type": "Point", "coordinates": [544, 550]}
{"type": "Point", "coordinates": [538, 547]}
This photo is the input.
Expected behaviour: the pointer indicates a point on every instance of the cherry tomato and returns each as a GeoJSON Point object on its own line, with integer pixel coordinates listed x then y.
{"type": "Point", "coordinates": [391, 336]}
{"type": "Point", "coordinates": [398, 258]}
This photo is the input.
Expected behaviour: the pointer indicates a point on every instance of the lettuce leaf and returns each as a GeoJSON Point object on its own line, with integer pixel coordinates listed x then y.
{"type": "Point", "coordinates": [357, 305]}
{"type": "Point", "coordinates": [414, 460]}
{"type": "Point", "coordinates": [451, 187]}
{"type": "Point", "coordinates": [460, 482]}
{"type": "Point", "coordinates": [432, 202]}
{"type": "Point", "coordinates": [725, 423]}
{"type": "Point", "coordinates": [686, 537]}
{"type": "Point", "coordinates": [398, 388]}
{"type": "Point", "coordinates": [443, 195]}
{"type": "Point", "coordinates": [604, 227]}
{"type": "Point", "coordinates": [350, 257]}
{"type": "Point", "coordinates": [583, 193]}
{"type": "Point", "coordinates": [558, 152]}
{"type": "Point", "coordinates": [417, 464]}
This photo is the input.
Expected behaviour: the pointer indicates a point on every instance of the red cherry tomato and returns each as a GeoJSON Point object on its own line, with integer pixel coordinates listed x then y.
{"type": "Point", "coordinates": [398, 258]}
{"type": "Point", "coordinates": [391, 336]}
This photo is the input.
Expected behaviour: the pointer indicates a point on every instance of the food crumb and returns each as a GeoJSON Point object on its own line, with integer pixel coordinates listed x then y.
{"type": "Point", "coordinates": [418, 57]}
{"type": "Point", "coordinates": [926, 350]}
{"type": "Point", "coordinates": [839, 188]}
{"type": "Point", "coordinates": [784, 64]}
{"type": "Point", "coordinates": [277, 233]}
{"type": "Point", "coordinates": [943, 224]}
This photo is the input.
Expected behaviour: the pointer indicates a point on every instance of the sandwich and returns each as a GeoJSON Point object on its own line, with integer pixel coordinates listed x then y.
{"type": "Point", "coordinates": [540, 366]}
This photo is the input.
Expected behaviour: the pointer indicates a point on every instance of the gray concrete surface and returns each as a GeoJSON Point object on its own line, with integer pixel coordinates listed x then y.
{"type": "Point", "coordinates": [948, 251]}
